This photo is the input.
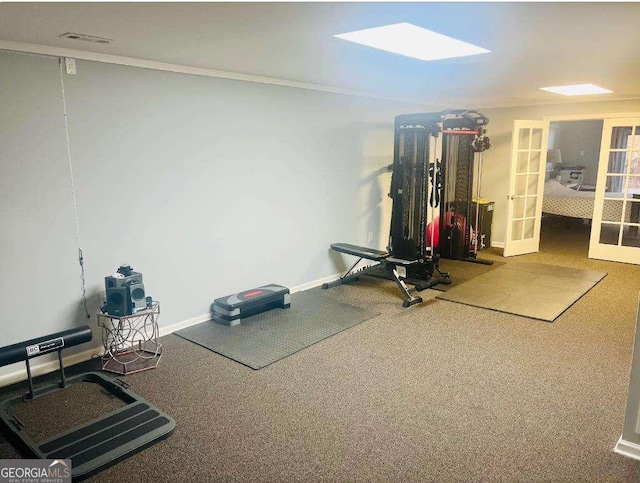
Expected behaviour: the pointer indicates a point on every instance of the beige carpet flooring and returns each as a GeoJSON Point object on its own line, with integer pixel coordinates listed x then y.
{"type": "Point", "coordinates": [437, 392]}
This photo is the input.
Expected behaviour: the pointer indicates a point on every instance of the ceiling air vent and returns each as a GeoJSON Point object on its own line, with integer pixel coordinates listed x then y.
{"type": "Point", "coordinates": [86, 38]}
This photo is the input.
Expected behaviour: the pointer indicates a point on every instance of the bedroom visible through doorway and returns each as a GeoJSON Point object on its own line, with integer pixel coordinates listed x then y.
{"type": "Point", "coordinates": [570, 182]}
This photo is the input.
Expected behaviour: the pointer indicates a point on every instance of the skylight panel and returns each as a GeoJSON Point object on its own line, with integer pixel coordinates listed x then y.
{"type": "Point", "coordinates": [577, 90]}
{"type": "Point", "coordinates": [412, 41]}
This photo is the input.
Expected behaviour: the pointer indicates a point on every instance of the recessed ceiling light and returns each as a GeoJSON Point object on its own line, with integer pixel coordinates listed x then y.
{"type": "Point", "coordinates": [577, 90]}
{"type": "Point", "coordinates": [85, 38]}
{"type": "Point", "coordinates": [412, 41]}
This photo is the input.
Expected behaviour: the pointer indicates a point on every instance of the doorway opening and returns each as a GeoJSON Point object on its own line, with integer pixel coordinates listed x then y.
{"type": "Point", "coordinates": [615, 209]}
{"type": "Point", "coordinates": [571, 175]}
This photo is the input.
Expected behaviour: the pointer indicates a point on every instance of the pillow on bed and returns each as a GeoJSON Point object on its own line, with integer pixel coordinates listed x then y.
{"type": "Point", "coordinates": [555, 188]}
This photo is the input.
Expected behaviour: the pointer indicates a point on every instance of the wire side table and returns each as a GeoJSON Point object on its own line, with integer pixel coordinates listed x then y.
{"type": "Point", "coordinates": [131, 342]}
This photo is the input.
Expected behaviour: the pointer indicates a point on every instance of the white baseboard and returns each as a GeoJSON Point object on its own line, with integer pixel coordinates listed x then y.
{"type": "Point", "coordinates": [170, 329]}
{"type": "Point", "coordinates": [315, 283]}
{"type": "Point", "coordinates": [627, 448]}
{"type": "Point", "coordinates": [50, 366]}
{"type": "Point", "coordinates": [495, 244]}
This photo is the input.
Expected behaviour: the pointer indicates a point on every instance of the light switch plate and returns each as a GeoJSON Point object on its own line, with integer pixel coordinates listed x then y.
{"type": "Point", "coordinates": [70, 66]}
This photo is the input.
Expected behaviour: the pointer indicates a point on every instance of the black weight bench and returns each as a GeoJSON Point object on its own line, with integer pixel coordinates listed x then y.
{"type": "Point", "coordinates": [93, 446]}
{"type": "Point", "coordinates": [387, 266]}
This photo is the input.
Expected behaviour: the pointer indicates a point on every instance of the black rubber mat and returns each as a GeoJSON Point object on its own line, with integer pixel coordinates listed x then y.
{"type": "Point", "coordinates": [462, 271]}
{"type": "Point", "coordinates": [533, 290]}
{"type": "Point", "coordinates": [86, 431]}
{"type": "Point", "coordinates": [98, 443]}
{"type": "Point", "coordinates": [268, 337]}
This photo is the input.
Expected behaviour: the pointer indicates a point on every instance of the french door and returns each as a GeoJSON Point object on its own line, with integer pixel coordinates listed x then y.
{"type": "Point", "coordinates": [526, 186]}
{"type": "Point", "coordinates": [616, 214]}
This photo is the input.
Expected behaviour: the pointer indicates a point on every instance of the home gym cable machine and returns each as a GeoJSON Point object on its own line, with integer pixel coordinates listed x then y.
{"type": "Point", "coordinates": [464, 139]}
{"type": "Point", "coordinates": [431, 189]}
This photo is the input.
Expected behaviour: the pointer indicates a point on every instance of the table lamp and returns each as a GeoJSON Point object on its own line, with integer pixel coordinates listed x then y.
{"type": "Point", "coordinates": [554, 160]}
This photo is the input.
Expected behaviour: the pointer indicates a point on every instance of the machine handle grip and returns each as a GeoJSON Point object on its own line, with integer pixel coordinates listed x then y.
{"type": "Point", "coordinates": [43, 345]}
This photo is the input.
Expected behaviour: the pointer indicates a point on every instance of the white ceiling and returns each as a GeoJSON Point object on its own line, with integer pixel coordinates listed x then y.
{"type": "Point", "coordinates": [533, 44]}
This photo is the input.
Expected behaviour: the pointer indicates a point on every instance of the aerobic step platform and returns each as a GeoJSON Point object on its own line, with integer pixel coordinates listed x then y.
{"type": "Point", "coordinates": [230, 310]}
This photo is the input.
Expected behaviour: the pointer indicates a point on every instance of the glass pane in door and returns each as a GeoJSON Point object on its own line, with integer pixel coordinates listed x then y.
{"type": "Point", "coordinates": [531, 207]}
{"type": "Point", "coordinates": [523, 162]}
{"type": "Point", "coordinates": [633, 184]}
{"type": "Point", "coordinates": [617, 162]}
{"type": "Point", "coordinates": [609, 233]}
{"type": "Point", "coordinates": [630, 236]}
{"type": "Point", "coordinates": [612, 210]}
{"type": "Point", "coordinates": [524, 138]}
{"type": "Point", "coordinates": [518, 208]}
{"type": "Point", "coordinates": [536, 139]}
{"type": "Point", "coordinates": [632, 211]}
{"type": "Point", "coordinates": [614, 186]}
{"type": "Point", "coordinates": [516, 232]}
{"type": "Point", "coordinates": [620, 137]}
{"type": "Point", "coordinates": [529, 226]}
{"type": "Point", "coordinates": [534, 163]}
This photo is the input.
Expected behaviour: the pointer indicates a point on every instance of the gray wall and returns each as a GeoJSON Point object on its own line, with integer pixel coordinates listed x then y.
{"type": "Point", "coordinates": [579, 143]}
{"type": "Point", "coordinates": [207, 186]}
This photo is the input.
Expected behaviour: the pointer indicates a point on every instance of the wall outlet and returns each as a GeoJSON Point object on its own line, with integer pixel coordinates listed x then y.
{"type": "Point", "coordinates": [370, 236]}
{"type": "Point", "coordinates": [581, 153]}
{"type": "Point", "coordinates": [70, 66]}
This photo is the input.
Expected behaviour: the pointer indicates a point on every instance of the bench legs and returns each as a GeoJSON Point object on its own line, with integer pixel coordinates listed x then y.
{"type": "Point", "coordinates": [409, 299]}
{"type": "Point", "coordinates": [352, 275]}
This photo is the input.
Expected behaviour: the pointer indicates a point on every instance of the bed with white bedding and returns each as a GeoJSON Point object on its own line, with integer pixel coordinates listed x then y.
{"type": "Point", "coordinates": [563, 201]}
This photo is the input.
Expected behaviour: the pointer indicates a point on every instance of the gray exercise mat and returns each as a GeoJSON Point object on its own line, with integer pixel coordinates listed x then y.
{"type": "Point", "coordinates": [265, 338]}
{"type": "Point", "coordinates": [530, 289]}
{"type": "Point", "coordinates": [461, 271]}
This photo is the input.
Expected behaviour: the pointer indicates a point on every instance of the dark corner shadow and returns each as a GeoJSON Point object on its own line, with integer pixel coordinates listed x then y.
{"type": "Point", "coordinates": [338, 261]}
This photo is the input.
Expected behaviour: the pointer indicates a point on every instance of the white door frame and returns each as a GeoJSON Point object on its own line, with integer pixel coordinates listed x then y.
{"type": "Point", "coordinates": [598, 250]}
{"type": "Point", "coordinates": [585, 117]}
{"type": "Point", "coordinates": [519, 193]}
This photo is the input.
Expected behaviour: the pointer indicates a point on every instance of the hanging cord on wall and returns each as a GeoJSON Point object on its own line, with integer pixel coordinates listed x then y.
{"type": "Point", "coordinates": [73, 190]}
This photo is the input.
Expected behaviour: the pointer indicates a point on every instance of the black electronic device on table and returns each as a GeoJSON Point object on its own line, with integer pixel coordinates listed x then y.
{"type": "Point", "coordinates": [125, 292]}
